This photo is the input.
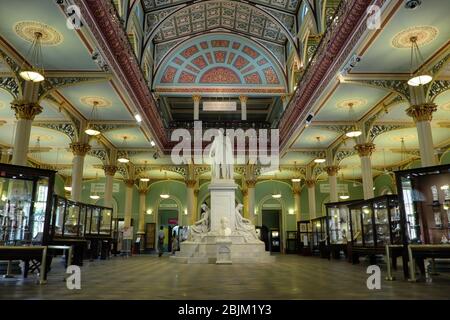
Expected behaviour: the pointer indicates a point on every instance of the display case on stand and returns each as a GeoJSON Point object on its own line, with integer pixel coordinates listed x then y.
{"type": "Point", "coordinates": [375, 223]}
{"type": "Point", "coordinates": [338, 220]}
{"type": "Point", "coordinates": [304, 237]}
{"type": "Point", "coordinates": [320, 242]}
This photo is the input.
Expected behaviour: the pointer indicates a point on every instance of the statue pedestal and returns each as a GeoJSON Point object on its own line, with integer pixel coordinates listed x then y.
{"type": "Point", "coordinates": [222, 203]}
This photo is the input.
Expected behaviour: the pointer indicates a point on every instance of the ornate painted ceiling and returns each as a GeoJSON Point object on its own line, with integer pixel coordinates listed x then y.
{"type": "Point", "coordinates": [220, 63]}
{"type": "Point", "coordinates": [150, 56]}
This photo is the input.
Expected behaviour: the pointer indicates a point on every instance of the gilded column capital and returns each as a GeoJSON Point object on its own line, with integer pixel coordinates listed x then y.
{"type": "Point", "coordinates": [250, 183]}
{"type": "Point", "coordinates": [196, 98]}
{"type": "Point", "coordinates": [110, 170]}
{"type": "Point", "coordinates": [332, 170]}
{"type": "Point", "coordinates": [25, 110]}
{"type": "Point", "coordinates": [79, 148]}
{"type": "Point", "coordinates": [285, 97]}
{"type": "Point", "coordinates": [243, 99]}
{"type": "Point", "coordinates": [129, 182]}
{"type": "Point", "coordinates": [143, 190]}
{"type": "Point", "coordinates": [365, 149]}
{"type": "Point", "coordinates": [190, 183]}
{"type": "Point", "coordinates": [422, 112]}
{"type": "Point", "coordinates": [310, 183]}
{"type": "Point", "coordinates": [296, 190]}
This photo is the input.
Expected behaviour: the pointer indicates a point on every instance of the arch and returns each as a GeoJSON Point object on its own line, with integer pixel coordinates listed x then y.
{"type": "Point", "coordinates": [260, 9]}
{"type": "Point", "coordinates": [204, 62]}
{"type": "Point", "coordinates": [156, 213]}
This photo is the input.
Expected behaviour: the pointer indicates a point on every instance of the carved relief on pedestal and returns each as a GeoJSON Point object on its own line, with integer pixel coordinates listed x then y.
{"type": "Point", "coordinates": [79, 148]}
{"type": "Point", "coordinates": [365, 149]}
{"type": "Point", "coordinates": [422, 112]}
{"type": "Point", "coordinates": [25, 110]}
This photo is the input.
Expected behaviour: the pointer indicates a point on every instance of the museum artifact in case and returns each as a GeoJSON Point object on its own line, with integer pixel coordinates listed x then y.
{"type": "Point", "coordinates": [320, 236]}
{"type": "Point", "coordinates": [291, 242]}
{"type": "Point", "coordinates": [425, 200]}
{"type": "Point", "coordinates": [338, 215]}
{"type": "Point", "coordinates": [25, 204]}
{"type": "Point", "coordinates": [304, 237]}
{"type": "Point", "coordinates": [374, 223]}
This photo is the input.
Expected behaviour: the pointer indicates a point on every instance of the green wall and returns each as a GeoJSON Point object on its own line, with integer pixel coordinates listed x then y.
{"type": "Point", "coordinates": [445, 158]}
{"type": "Point", "coordinates": [383, 184]}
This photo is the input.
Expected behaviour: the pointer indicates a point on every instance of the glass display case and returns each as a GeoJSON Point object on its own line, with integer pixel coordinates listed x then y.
{"type": "Point", "coordinates": [338, 215]}
{"type": "Point", "coordinates": [425, 203]}
{"type": "Point", "coordinates": [25, 204]}
{"type": "Point", "coordinates": [275, 240]}
{"type": "Point", "coordinates": [304, 237]}
{"type": "Point", "coordinates": [319, 235]}
{"type": "Point", "coordinates": [375, 222]}
{"type": "Point", "coordinates": [79, 220]}
{"type": "Point", "coordinates": [291, 241]}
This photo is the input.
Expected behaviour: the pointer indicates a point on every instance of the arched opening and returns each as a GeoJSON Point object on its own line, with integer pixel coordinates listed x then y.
{"type": "Point", "coordinates": [272, 223]}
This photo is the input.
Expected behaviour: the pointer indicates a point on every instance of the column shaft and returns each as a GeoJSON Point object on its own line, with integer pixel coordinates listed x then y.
{"type": "Point", "coordinates": [332, 180]}
{"type": "Point", "coordinates": [312, 201]}
{"type": "Point", "coordinates": [128, 201]}
{"type": "Point", "coordinates": [77, 177]}
{"type": "Point", "coordinates": [298, 214]}
{"type": "Point", "coordinates": [425, 136]}
{"type": "Point", "coordinates": [196, 99]}
{"type": "Point", "coordinates": [366, 172]}
{"type": "Point", "coordinates": [21, 142]}
{"type": "Point", "coordinates": [251, 203]}
{"type": "Point", "coordinates": [190, 202]}
{"type": "Point", "coordinates": [243, 100]}
{"type": "Point", "coordinates": [142, 209]}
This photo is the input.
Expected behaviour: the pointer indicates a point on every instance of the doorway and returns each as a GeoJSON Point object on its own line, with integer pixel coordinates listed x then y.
{"type": "Point", "coordinates": [271, 222]}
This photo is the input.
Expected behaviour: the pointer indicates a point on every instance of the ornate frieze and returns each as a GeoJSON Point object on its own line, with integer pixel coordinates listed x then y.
{"type": "Point", "coordinates": [10, 85]}
{"type": "Point", "coordinates": [66, 128]}
{"type": "Point", "coordinates": [342, 154]}
{"type": "Point", "coordinates": [437, 87]}
{"type": "Point", "coordinates": [382, 128]}
{"type": "Point", "coordinates": [99, 153]}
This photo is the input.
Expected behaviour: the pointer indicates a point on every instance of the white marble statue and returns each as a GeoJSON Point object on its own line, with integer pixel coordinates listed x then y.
{"type": "Point", "coordinates": [243, 226]}
{"type": "Point", "coordinates": [225, 230]}
{"type": "Point", "coordinates": [200, 227]}
{"type": "Point", "coordinates": [221, 154]}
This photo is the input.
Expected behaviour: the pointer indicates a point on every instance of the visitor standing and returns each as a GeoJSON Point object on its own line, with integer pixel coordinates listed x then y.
{"type": "Point", "coordinates": [161, 237]}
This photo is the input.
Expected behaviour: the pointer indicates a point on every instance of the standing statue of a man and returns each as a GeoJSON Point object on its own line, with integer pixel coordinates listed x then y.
{"type": "Point", "coordinates": [221, 154]}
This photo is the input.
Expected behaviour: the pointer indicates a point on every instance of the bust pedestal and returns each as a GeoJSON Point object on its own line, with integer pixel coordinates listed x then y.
{"type": "Point", "coordinates": [222, 203]}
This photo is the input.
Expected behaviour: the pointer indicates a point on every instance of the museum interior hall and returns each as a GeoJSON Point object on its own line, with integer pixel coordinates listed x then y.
{"type": "Point", "coordinates": [248, 149]}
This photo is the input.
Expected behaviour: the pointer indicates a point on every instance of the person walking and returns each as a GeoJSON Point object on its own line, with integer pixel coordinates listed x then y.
{"type": "Point", "coordinates": [161, 237]}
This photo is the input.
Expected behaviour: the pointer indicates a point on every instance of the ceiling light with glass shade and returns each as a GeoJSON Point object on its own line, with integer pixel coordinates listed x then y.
{"type": "Point", "coordinates": [90, 130]}
{"type": "Point", "coordinates": [321, 157]}
{"type": "Point", "coordinates": [35, 71]}
{"type": "Point", "coordinates": [421, 77]}
{"type": "Point", "coordinates": [354, 131]}
{"type": "Point", "coordinates": [123, 158]}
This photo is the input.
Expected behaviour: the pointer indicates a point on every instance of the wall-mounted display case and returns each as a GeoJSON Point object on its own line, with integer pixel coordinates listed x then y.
{"type": "Point", "coordinates": [425, 203]}
{"type": "Point", "coordinates": [304, 237]}
{"type": "Point", "coordinates": [25, 204]}
{"type": "Point", "coordinates": [338, 214]}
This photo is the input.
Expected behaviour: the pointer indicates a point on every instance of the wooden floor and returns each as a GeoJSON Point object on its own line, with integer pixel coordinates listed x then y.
{"type": "Point", "coordinates": [291, 277]}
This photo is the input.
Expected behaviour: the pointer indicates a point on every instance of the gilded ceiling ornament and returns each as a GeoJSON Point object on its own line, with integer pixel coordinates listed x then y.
{"type": "Point", "coordinates": [27, 29]}
{"type": "Point", "coordinates": [332, 170]}
{"type": "Point", "coordinates": [355, 103]}
{"type": "Point", "coordinates": [365, 149]}
{"type": "Point", "coordinates": [101, 102]}
{"type": "Point", "coordinates": [422, 112]}
{"type": "Point", "coordinates": [310, 183]}
{"type": "Point", "coordinates": [424, 34]}
{"type": "Point", "coordinates": [79, 148]}
{"type": "Point", "coordinates": [25, 110]}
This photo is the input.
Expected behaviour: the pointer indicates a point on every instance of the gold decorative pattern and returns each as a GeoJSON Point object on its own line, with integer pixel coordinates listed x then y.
{"type": "Point", "coordinates": [110, 170]}
{"type": "Point", "coordinates": [243, 99]}
{"type": "Point", "coordinates": [332, 170]}
{"type": "Point", "coordinates": [191, 183]}
{"type": "Point", "coordinates": [365, 149]}
{"type": "Point", "coordinates": [424, 34]}
{"type": "Point", "coordinates": [27, 29]}
{"type": "Point", "coordinates": [310, 183]}
{"type": "Point", "coordinates": [129, 182]}
{"type": "Point", "coordinates": [79, 148]}
{"type": "Point", "coordinates": [101, 102]}
{"type": "Point", "coordinates": [422, 112]}
{"type": "Point", "coordinates": [355, 103]}
{"type": "Point", "coordinates": [25, 110]}
{"type": "Point", "coordinates": [196, 98]}
{"type": "Point", "coordinates": [250, 183]}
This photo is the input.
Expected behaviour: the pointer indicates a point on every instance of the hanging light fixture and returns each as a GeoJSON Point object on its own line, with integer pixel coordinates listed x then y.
{"type": "Point", "coordinates": [343, 196]}
{"type": "Point", "coordinates": [165, 195]}
{"type": "Point", "coordinates": [35, 71]}
{"type": "Point", "coordinates": [421, 77]}
{"type": "Point", "coordinates": [320, 158]}
{"type": "Point", "coordinates": [123, 158]}
{"type": "Point", "coordinates": [402, 149]}
{"type": "Point", "coordinates": [354, 131]}
{"type": "Point", "coordinates": [90, 130]}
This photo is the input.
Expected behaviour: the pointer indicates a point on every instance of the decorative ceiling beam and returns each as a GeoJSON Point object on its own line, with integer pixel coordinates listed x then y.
{"type": "Point", "coordinates": [64, 127]}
